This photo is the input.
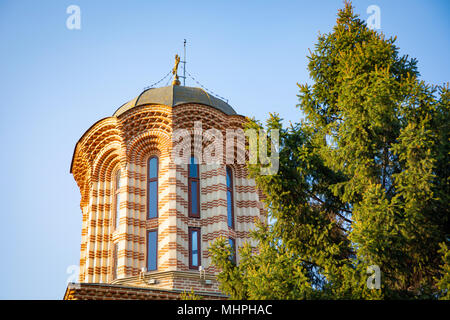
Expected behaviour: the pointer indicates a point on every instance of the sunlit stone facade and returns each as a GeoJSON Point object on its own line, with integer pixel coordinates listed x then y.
{"type": "Point", "coordinates": [140, 228]}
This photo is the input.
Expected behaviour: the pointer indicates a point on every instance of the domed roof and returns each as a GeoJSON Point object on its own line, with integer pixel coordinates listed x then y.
{"type": "Point", "coordinates": [175, 95]}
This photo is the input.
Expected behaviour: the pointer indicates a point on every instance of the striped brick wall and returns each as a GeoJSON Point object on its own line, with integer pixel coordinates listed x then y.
{"type": "Point", "coordinates": [88, 291]}
{"type": "Point", "coordinates": [126, 143]}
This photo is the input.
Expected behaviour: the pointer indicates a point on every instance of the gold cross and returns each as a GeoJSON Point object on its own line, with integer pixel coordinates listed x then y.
{"type": "Point", "coordinates": [175, 81]}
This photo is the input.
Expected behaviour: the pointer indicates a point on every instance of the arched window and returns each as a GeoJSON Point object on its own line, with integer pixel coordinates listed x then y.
{"type": "Point", "coordinates": [230, 202]}
{"type": "Point", "coordinates": [194, 189]}
{"type": "Point", "coordinates": [116, 199]}
{"type": "Point", "coordinates": [152, 187]}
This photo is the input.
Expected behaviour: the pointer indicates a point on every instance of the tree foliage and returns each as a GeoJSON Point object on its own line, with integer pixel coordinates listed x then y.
{"type": "Point", "coordinates": [189, 295]}
{"type": "Point", "coordinates": [363, 180]}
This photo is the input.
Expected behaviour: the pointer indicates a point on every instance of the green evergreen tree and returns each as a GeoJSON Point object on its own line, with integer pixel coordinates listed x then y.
{"type": "Point", "coordinates": [363, 180]}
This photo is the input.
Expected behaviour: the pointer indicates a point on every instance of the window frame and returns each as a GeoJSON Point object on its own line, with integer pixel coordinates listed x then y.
{"type": "Point", "coordinates": [190, 180]}
{"type": "Point", "coordinates": [199, 248]}
{"type": "Point", "coordinates": [116, 192]}
{"type": "Point", "coordinates": [148, 181]}
{"type": "Point", "coordinates": [156, 250]}
{"type": "Point", "coordinates": [230, 189]}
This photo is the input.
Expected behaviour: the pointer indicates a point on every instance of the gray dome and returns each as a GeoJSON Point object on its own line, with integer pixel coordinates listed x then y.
{"type": "Point", "coordinates": [175, 95]}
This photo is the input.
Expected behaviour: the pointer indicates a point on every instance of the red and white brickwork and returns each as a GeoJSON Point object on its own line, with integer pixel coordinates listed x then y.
{"type": "Point", "coordinates": [127, 142]}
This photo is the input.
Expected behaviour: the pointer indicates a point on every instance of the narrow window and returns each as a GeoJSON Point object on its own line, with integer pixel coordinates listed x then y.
{"type": "Point", "coordinates": [194, 248]}
{"type": "Point", "coordinates": [232, 244]}
{"type": "Point", "coordinates": [152, 188]}
{"type": "Point", "coordinates": [115, 260]}
{"type": "Point", "coordinates": [116, 199]}
{"type": "Point", "coordinates": [152, 250]}
{"type": "Point", "coordinates": [230, 204]}
{"type": "Point", "coordinates": [194, 189]}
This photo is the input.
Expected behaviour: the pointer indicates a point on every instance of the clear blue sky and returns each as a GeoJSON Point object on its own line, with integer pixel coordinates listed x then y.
{"type": "Point", "coordinates": [55, 83]}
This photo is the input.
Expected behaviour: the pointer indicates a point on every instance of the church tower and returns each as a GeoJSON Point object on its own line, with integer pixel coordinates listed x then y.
{"type": "Point", "coordinates": [148, 218]}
